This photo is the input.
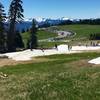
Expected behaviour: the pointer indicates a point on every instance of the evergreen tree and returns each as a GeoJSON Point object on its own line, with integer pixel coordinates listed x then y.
{"type": "Point", "coordinates": [27, 30]}
{"type": "Point", "coordinates": [18, 40]}
{"type": "Point", "coordinates": [33, 36]}
{"type": "Point", "coordinates": [15, 15]}
{"type": "Point", "coordinates": [2, 29]}
{"type": "Point", "coordinates": [23, 30]}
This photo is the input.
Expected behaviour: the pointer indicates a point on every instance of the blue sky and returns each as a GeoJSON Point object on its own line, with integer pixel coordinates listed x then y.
{"type": "Point", "coordinates": [59, 8]}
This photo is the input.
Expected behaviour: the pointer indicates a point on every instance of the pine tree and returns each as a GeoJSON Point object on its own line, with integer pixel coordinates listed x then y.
{"type": "Point", "coordinates": [33, 36]}
{"type": "Point", "coordinates": [2, 29]}
{"type": "Point", "coordinates": [15, 15]}
{"type": "Point", "coordinates": [18, 40]}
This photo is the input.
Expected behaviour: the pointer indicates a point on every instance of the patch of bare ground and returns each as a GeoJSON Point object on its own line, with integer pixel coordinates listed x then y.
{"type": "Point", "coordinates": [97, 51]}
{"type": "Point", "coordinates": [80, 63]}
{"type": "Point", "coordinates": [94, 65]}
{"type": "Point", "coordinates": [89, 51]}
{"type": "Point", "coordinates": [83, 63]}
{"type": "Point", "coordinates": [5, 61]}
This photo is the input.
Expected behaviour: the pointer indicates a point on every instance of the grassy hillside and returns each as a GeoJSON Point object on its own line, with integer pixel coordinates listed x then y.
{"type": "Point", "coordinates": [82, 34]}
{"type": "Point", "coordinates": [82, 31]}
{"type": "Point", "coordinates": [45, 34]}
{"type": "Point", "coordinates": [58, 77]}
{"type": "Point", "coordinates": [41, 34]}
{"type": "Point", "coordinates": [50, 44]}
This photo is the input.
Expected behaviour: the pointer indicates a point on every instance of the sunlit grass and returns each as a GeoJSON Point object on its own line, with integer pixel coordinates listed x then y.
{"type": "Point", "coordinates": [63, 77]}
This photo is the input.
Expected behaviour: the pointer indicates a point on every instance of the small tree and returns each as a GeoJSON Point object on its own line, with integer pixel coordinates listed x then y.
{"type": "Point", "coordinates": [2, 29]}
{"type": "Point", "coordinates": [33, 36]}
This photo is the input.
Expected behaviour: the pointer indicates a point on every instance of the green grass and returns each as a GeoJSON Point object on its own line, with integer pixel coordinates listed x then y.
{"type": "Point", "coordinates": [25, 37]}
{"type": "Point", "coordinates": [41, 34]}
{"type": "Point", "coordinates": [63, 78]}
{"type": "Point", "coordinates": [50, 44]}
{"type": "Point", "coordinates": [45, 34]}
{"type": "Point", "coordinates": [82, 31]}
{"type": "Point", "coordinates": [82, 34]}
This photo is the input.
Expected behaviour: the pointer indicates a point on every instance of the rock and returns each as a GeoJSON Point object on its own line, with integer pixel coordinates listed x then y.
{"type": "Point", "coordinates": [2, 75]}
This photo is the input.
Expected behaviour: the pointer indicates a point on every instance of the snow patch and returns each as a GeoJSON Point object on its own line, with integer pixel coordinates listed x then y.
{"type": "Point", "coordinates": [63, 48]}
{"type": "Point", "coordinates": [95, 61]}
{"type": "Point", "coordinates": [86, 48]}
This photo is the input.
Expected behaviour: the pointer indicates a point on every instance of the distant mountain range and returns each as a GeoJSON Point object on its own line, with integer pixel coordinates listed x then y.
{"type": "Point", "coordinates": [27, 22]}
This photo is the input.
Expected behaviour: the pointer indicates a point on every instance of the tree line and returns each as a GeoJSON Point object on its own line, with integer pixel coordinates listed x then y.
{"type": "Point", "coordinates": [81, 21]}
{"type": "Point", "coordinates": [10, 38]}
{"type": "Point", "coordinates": [73, 22]}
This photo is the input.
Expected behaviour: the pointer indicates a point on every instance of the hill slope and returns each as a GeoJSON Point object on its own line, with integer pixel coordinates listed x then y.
{"type": "Point", "coordinates": [82, 31]}
{"type": "Point", "coordinates": [41, 34]}
{"type": "Point", "coordinates": [82, 34]}
{"type": "Point", "coordinates": [57, 77]}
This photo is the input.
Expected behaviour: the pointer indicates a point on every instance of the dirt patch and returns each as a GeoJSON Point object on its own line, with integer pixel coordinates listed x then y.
{"type": "Point", "coordinates": [94, 65]}
{"type": "Point", "coordinates": [5, 61]}
{"type": "Point", "coordinates": [81, 63]}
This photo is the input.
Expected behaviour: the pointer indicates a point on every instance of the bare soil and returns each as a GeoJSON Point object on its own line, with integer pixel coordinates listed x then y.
{"type": "Point", "coordinates": [8, 62]}
{"type": "Point", "coordinates": [83, 63]}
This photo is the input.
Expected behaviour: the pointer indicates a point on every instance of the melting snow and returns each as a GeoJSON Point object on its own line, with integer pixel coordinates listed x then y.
{"type": "Point", "coordinates": [61, 49]}
{"type": "Point", "coordinates": [95, 61]}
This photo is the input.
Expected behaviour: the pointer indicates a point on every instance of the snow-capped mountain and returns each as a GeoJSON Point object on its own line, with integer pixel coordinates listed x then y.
{"type": "Point", "coordinates": [27, 22]}
{"type": "Point", "coordinates": [28, 19]}
{"type": "Point", "coordinates": [39, 19]}
{"type": "Point", "coordinates": [64, 18]}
